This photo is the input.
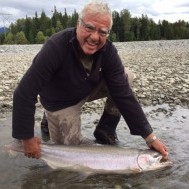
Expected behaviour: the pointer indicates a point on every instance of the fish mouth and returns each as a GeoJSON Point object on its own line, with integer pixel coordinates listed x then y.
{"type": "Point", "coordinates": [153, 161]}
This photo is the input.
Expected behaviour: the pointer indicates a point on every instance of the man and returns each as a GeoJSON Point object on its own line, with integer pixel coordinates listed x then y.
{"type": "Point", "coordinates": [74, 66]}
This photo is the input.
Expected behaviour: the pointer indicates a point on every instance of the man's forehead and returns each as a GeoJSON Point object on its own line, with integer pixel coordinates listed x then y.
{"type": "Point", "coordinates": [97, 17]}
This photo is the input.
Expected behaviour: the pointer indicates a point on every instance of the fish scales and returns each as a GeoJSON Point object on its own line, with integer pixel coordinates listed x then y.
{"type": "Point", "coordinates": [94, 157]}
{"type": "Point", "coordinates": [98, 158]}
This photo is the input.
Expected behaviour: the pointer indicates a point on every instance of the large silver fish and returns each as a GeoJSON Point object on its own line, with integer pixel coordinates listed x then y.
{"type": "Point", "coordinates": [97, 158]}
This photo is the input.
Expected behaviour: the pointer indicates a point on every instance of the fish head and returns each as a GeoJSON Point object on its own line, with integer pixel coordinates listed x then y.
{"type": "Point", "coordinates": [152, 160]}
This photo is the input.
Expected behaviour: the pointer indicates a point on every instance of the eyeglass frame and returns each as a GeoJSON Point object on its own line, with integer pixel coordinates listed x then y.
{"type": "Point", "coordinates": [103, 32]}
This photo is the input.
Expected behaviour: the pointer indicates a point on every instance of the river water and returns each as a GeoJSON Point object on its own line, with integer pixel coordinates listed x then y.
{"type": "Point", "coordinates": [172, 127]}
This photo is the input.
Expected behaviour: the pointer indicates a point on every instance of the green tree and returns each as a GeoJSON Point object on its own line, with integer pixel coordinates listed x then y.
{"type": "Point", "coordinates": [135, 28]}
{"type": "Point", "coordinates": [13, 28]}
{"type": "Point", "coordinates": [27, 27]}
{"type": "Point", "coordinates": [116, 28]}
{"type": "Point", "coordinates": [34, 29]}
{"type": "Point", "coordinates": [50, 31]}
{"type": "Point", "coordinates": [20, 24]}
{"type": "Point", "coordinates": [65, 19]}
{"type": "Point", "coordinates": [44, 23]}
{"type": "Point", "coordinates": [2, 38]}
{"type": "Point", "coordinates": [144, 29]}
{"type": "Point", "coordinates": [125, 25]}
{"type": "Point", "coordinates": [31, 37]}
{"type": "Point", "coordinates": [154, 30]}
{"type": "Point", "coordinates": [181, 31]}
{"type": "Point", "coordinates": [54, 18]}
{"type": "Point", "coordinates": [58, 26]}
{"type": "Point", "coordinates": [36, 21]}
{"type": "Point", "coordinates": [9, 38]}
{"type": "Point", "coordinates": [167, 30]}
{"type": "Point", "coordinates": [20, 38]}
{"type": "Point", "coordinates": [72, 20]}
{"type": "Point", "coordinates": [40, 38]}
{"type": "Point", "coordinates": [125, 28]}
{"type": "Point", "coordinates": [113, 37]}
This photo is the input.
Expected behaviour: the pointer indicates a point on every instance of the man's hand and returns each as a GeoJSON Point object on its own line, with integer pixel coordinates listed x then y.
{"type": "Point", "coordinates": [157, 145]}
{"type": "Point", "coordinates": [32, 147]}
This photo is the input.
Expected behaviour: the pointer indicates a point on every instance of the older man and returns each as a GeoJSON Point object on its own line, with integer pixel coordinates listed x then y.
{"type": "Point", "coordinates": [74, 66]}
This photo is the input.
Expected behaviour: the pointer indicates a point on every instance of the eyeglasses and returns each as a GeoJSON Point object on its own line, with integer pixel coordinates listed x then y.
{"type": "Point", "coordinates": [103, 32]}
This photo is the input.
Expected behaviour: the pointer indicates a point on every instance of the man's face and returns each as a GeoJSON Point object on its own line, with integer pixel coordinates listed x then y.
{"type": "Point", "coordinates": [91, 32]}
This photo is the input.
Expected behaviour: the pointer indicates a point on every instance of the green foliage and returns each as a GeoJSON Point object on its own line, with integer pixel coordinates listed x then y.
{"type": "Point", "coordinates": [113, 37]}
{"type": "Point", "coordinates": [2, 38]}
{"type": "Point", "coordinates": [58, 26]}
{"type": "Point", "coordinates": [20, 38]}
{"type": "Point", "coordinates": [40, 38]}
{"type": "Point", "coordinates": [9, 38]}
{"type": "Point", "coordinates": [125, 28]}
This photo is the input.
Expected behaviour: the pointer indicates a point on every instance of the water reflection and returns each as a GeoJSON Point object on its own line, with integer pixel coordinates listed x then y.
{"type": "Point", "coordinates": [69, 180]}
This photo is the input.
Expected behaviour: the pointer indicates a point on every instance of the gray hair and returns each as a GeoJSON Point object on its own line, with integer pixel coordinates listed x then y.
{"type": "Point", "coordinates": [96, 7]}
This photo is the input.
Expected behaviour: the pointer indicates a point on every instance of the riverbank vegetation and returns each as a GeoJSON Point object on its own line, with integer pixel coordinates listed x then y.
{"type": "Point", "coordinates": [37, 29]}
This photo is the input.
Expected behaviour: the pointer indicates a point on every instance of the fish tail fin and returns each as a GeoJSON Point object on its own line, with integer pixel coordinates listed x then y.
{"type": "Point", "coordinates": [12, 153]}
{"type": "Point", "coordinates": [14, 146]}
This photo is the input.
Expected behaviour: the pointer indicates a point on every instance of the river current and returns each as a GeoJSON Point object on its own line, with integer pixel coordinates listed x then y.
{"type": "Point", "coordinates": [172, 127]}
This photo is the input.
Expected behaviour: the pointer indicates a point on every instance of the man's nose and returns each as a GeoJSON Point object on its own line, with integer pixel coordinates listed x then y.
{"type": "Point", "coordinates": [95, 35]}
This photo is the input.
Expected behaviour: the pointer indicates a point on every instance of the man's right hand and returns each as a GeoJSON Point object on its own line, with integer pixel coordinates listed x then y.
{"type": "Point", "coordinates": [32, 147]}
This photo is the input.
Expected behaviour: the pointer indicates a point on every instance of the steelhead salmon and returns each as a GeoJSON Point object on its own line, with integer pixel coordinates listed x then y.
{"type": "Point", "coordinates": [97, 158]}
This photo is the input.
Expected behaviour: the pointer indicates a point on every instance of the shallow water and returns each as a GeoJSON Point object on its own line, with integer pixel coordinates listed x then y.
{"type": "Point", "coordinates": [172, 127]}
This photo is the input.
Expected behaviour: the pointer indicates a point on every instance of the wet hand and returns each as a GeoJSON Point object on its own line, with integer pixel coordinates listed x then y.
{"type": "Point", "coordinates": [160, 147]}
{"type": "Point", "coordinates": [32, 147]}
{"type": "Point", "coordinates": [156, 144]}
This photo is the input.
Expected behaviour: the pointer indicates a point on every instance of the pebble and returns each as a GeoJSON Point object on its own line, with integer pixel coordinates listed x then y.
{"type": "Point", "coordinates": [161, 71]}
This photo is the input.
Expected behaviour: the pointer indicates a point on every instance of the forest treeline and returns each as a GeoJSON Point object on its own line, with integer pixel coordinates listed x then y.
{"type": "Point", "coordinates": [38, 29]}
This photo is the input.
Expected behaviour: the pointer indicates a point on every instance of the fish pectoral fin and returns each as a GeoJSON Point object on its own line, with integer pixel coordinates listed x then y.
{"type": "Point", "coordinates": [52, 165]}
{"type": "Point", "coordinates": [13, 154]}
{"type": "Point", "coordinates": [85, 175]}
{"type": "Point", "coordinates": [136, 170]}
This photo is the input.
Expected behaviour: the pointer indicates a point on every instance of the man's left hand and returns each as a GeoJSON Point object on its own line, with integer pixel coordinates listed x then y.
{"type": "Point", "coordinates": [158, 146]}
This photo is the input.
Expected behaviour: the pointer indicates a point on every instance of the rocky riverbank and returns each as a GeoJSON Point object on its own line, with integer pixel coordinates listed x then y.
{"type": "Point", "coordinates": [161, 69]}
